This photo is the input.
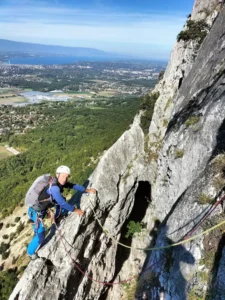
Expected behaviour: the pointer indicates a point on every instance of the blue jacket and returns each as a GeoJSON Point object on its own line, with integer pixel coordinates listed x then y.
{"type": "Point", "coordinates": [55, 192]}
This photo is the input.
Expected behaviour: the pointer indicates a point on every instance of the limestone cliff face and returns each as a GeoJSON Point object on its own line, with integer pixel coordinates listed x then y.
{"type": "Point", "coordinates": [53, 275]}
{"type": "Point", "coordinates": [202, 9]}
{"type": "Point", "coordinates": [187, 172]}
{"type": "Point", "coordinates": [181, 61]}
{"type": "Point", "coordinates": [169, 194]}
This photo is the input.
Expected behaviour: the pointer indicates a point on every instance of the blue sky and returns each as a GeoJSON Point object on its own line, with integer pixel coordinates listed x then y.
{"type": "Point", "coordinates": [142, 28]}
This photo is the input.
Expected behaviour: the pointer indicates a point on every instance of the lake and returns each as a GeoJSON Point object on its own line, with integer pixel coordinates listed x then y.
{"type": "Point", "coordinates": [36, 97]}
{"type": "Point", "coordinates": [58, 60]}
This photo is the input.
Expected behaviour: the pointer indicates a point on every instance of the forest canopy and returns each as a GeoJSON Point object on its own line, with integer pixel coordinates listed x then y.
{"type": "Point", "coordinates": [76, 137]}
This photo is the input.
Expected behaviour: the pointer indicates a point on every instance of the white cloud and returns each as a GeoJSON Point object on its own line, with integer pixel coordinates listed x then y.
{"type": "Point", "coordinates": [145, 33]}
{"type": "Point", "coordinates": [64, 15]}
{"type": "Point", "coordinates": [65, 26]}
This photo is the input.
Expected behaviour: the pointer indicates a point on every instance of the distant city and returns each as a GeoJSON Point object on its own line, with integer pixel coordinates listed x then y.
{"type": "Point", "coordinates": [98, 78]}
{"type": "Point", "coordinates": [28, 78]}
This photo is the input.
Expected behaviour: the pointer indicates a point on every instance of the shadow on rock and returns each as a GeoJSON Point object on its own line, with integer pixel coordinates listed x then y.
{"type": "Point", "coordinates": [165, 271]}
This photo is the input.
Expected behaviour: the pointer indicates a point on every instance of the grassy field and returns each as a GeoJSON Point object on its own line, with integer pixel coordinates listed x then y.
{"type": "Point", "coordinates": [5, 91]}
{"type": "Point", "coordinates": [6, 96]}
{"type": "Point", "coordinates": [107, 93]}
{"type": "Point", "coordinates": [9, 96]}
{"type": "Point", "coordinates": [85, 96]}
{"type": "Point", "coordinates": [95, 107]}
{"type": "Point", "coordinates": [8, 91]}
{"type": "Point", "coordinates": [4, 152]}
{"type": "Point", "coordinates": [74, 95]}
{"type": "Point", "coordinates": [11, 99]}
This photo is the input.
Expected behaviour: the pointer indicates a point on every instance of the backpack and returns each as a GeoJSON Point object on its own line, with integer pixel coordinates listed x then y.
{"type": "Point", "coordinates": [37, 187]}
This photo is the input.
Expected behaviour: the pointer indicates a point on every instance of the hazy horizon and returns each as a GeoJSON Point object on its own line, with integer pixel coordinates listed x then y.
{"type": "Point", "coordinates": [109, 54]}
{"type": "Point", "coordinates": [139, 29]}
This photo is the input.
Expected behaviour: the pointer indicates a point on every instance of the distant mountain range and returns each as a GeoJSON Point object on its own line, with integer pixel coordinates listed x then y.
{"type": "Point", "coordinates": [12, 46]}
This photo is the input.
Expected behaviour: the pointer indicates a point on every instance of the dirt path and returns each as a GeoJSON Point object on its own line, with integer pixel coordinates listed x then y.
{"type": "Point", "coordinates": [12, 150]}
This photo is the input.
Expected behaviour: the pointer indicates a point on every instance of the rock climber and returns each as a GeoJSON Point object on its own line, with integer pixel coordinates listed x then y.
{"type": "Point", "coordinates": [44, 193]}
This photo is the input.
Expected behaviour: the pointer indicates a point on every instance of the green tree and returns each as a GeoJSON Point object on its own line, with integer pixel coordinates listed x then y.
{"type": "Point", "coordinates": [196, 30]}
{"type": "Point", "coordinates": [8, 280]}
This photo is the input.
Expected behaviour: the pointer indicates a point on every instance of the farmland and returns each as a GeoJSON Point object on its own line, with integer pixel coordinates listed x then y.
{"type": "Point", "coordinates": [4, 152]}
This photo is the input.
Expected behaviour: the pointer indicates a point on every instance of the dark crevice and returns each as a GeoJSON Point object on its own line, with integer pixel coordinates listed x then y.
{"type": "Point", "coordinates": [212, 291]}
{"type": "Point", "coordinates": [88, 286]}
{"type": "Point", "coordinates": [181, 79]}
{"type": "Point", "coordinates": [222, 36]}
{"type": "Point", "coordinates": [118, 187]}
{"type": "Point", "coordinates": [141, 202]}
{"type": "Point", "coordinates": [180, 82]}
{"type": "Point", "coordinates": [17, 296]}
{"type": "Point", "coordinates": [72, 285]}
{"type": "Point", "coordinates": [173, 208]}
{"type": "Point", "coordinates": [49, 267]}
{"type": "Point", "coordinates": [104, 294]}
{"type": "Point", "coordinates": [220, 144]}
{"type": "Point", "coordinates": [49, 263]}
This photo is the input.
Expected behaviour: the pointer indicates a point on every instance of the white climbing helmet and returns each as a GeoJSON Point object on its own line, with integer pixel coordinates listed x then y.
{"type": "Point", "coordinates": [63, 169]}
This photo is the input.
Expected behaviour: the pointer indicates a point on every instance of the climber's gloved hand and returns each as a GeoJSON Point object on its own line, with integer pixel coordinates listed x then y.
{"type": "Point", "coordinates": [79, 212]}
{"type": "Point", "coordinates": [90, 191]}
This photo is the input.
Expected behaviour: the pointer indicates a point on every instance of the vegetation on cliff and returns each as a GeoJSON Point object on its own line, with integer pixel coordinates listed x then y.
{"type": "Point", "coordinates": [147, 104]}
{"type": "Point", "coordinates": [196, 30]}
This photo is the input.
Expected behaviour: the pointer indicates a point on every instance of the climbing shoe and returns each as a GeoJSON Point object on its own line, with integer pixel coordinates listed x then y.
{"type": "Point", "coordinates": [33, 256]}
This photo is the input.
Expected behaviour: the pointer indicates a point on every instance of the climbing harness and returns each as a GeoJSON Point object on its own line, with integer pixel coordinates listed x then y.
{"type": "Point", "coordinates": [39, 219]}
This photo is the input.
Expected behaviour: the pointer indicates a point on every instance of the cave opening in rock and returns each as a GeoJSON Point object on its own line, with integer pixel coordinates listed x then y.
{"type": "Point", "coordinates": [142, 198]}
{"type": "Point", "coordinates": [220, 141]}
{"type": "Point", "coordinates": [141, 201]}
